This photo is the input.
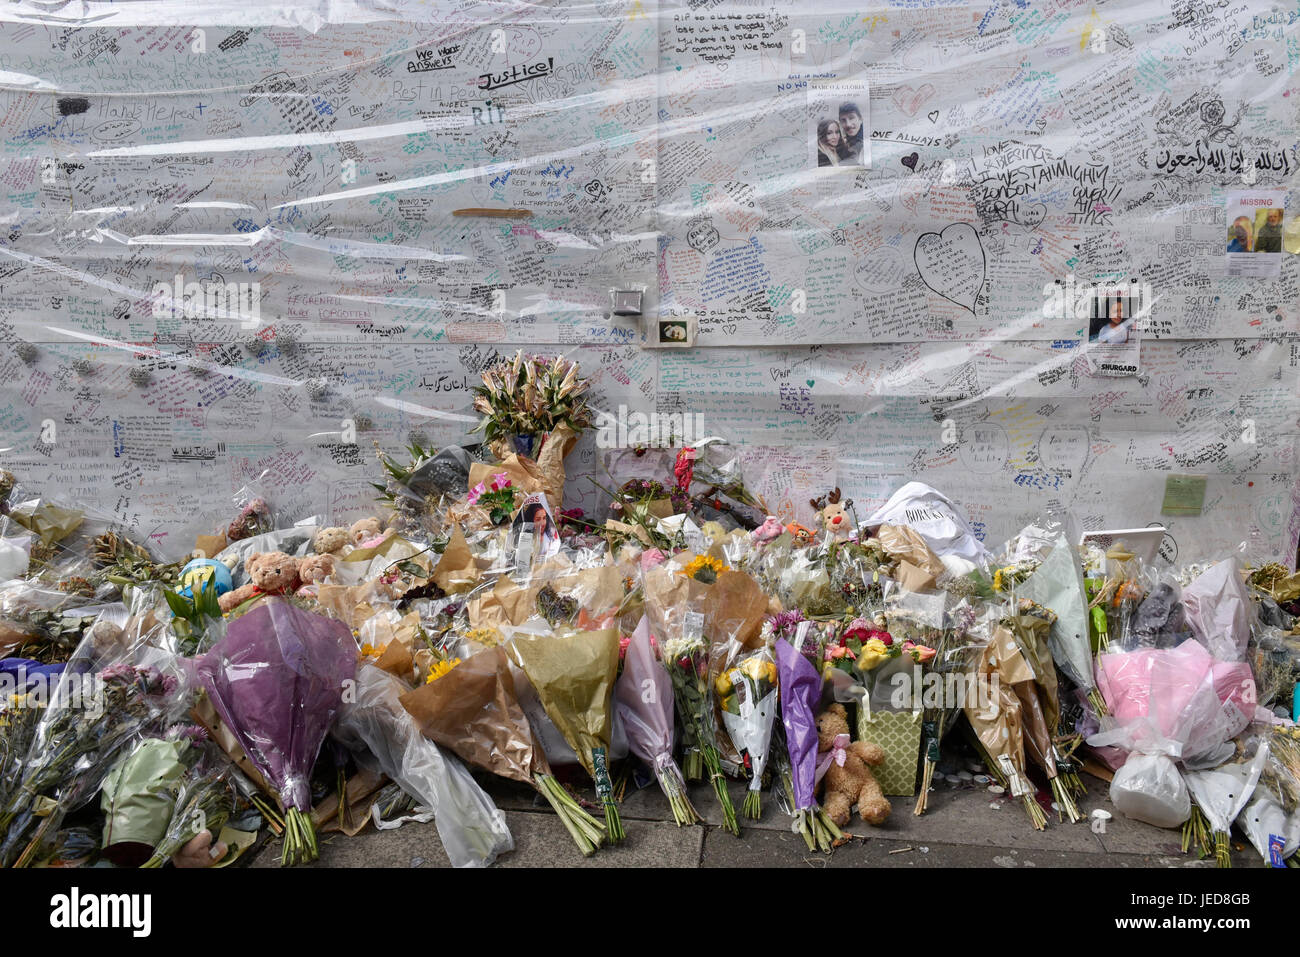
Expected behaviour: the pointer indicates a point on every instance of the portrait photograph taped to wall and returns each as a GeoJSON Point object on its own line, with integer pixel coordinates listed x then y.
{"type": "Point", "coordinates": [838, 112]}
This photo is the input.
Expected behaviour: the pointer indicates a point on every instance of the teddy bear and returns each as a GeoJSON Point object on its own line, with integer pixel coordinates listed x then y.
{"type": "Point", "coordinates": [366, 533]}
{"type": "Point", "coordinates": [313, 570]}
{"type": "Point", "coordinates": [848, 779]}
{"type": "Point", "coordinates": [271, 573]}
{"type": "Point", "coordinates": [331, 541]}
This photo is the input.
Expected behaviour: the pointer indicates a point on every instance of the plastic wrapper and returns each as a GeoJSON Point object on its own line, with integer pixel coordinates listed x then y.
{"type": "Point", "coordinates": [1219, 610]}
{"type": "Point", "coordinates": [15, 555]}
{"type": "Point", "coordinates": [801, 693]}
{"type": "Point", "coordinates": [643, 703]}
{"type": "Point", "coordinates": [1149, 788]}
{"type": "Point", "coordinates": [137, 797]}
{"type": "Point", "coordinates": [119, 683]}
{"type": "Point", "coordinates": [276, 679]}
{"type": "Point", "coordinates": [678, 609]}
{"type": "Point", "coordinates": [253, 515]}
{"type": "Point", "coordinates": [1001, 730]}
{"type": "Point", "coordinates": [933, 516]}
{"type": "Point", "coordinates": [573, 674]}
{"type": "Point", "coordinates": [1273, 832]}
{"type": "Point", "coordinates": [748, 698]}
{"type": "Point", "coordinates": [1222, 793]}
{"type": "Point", "coordinates": [1058, 585]}
{"type": "Point", "coordinates": [472, 830]}
{"type": "Point", "coordinates": [472, 710]}
{"type": "Point", "coordinates": [1189, 696]}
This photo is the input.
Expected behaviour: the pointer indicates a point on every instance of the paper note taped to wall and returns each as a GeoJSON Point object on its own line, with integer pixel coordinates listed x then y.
{"type": "Point", "coordinates": [1184, 495]}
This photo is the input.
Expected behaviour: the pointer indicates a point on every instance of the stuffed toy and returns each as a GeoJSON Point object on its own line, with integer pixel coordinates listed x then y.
{"type": "Point", "coordinates": [366, 533]}
{"type": "Point", "coordinates": [770, 529]}
{"type": "Point", "coordinates": [833, 514]}
{"type": "Point", "coordinates": [313, 570]}
{"type": "Point", "coordinates": [801, 534]}
{"type": "Point", "coordinates": [272, 573]}
{"type": "Point", "coordinates": [331, 541]}
{"type": "Point", "coordinates": [848, 779]}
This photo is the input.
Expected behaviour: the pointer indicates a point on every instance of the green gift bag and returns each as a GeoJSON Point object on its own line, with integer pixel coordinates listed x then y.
{"type": "Point", "coordinates": [899, 735]}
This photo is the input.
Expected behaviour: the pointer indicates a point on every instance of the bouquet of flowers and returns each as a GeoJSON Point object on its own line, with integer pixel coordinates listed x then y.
{"type": "Point", "coordinates": [644, 699]}
{"type": "Point", "coordinates": [1058, 584]}
{"type": "Point", "coordinates": [1223, 792]}
{"type": "Point", "coordinates": [999, 730]}
{"type": "Point", "coordinates": [472, 709]}
{"type": "Point", "coordinates": [277, 681]}
{"type": "Point", "coordinates": [202, 800]}
{"type": "Point", "coordinates": [20, 716]}
{"type": "Point", "coordinates": [497, 498]}
{"type": "Point", "coordinates": [81, 731]}
{"type": "Point", "coordinates": [747, 689]}
{"type": "Point", "coordinates": [574, 675]}
{"type": "Point", "coordinates": [525, 399]}
{"type": "Point", "coordinates": [686, 656]}
{"type": "Point", "coordinates": [801, 691]}
{"type": "Point", "coordinates": [1040, 707]}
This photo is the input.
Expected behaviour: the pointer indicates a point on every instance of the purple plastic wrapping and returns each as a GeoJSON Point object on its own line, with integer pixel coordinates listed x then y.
{"type": "Point", "coordinates": [801, 690]}
{"type": "Point", "coordinates": [277, 681]}
{"type": "Point", "coordinates": [643, 699]}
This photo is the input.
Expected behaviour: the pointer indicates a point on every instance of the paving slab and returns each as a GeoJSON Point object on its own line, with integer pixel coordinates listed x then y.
{"type": "Point", "coordinates": [540, 841]}
{"type": "Point", "coordinates": [964, 826]}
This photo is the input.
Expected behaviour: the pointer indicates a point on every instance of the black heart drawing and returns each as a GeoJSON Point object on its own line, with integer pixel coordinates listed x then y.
{"type": "Point", "coordinates": [933, 116]}
{"type": "Point", "coordinates": [910, 161]}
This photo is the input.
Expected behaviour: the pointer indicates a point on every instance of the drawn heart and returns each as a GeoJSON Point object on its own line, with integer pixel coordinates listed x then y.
{"type": "Point", "coordinates": [810, 382]}
{"type": "Point", "coordinates": [909, 100]}
{"type": "Point", "coordinates": [953, 264]}
{"type": "Point", "coordinates": [933, 116]}
{"type": "Point", "coordinates": [1033, 216]}
{"type": "Point", "coordinates": [910, 161]}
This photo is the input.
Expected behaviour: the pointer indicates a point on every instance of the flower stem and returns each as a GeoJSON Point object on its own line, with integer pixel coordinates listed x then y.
{"type": "Point", "coordinates": [613, 823]}
{"type": "Point", "coordinates": [719, 783]}
{"type": "Point", "coordinates": [1064, 801]}
{"type": "Point", "coordinates": [585, 830]}
{"type": "Point", "coordinates": [923, 799]}
{"type": "Point", "coordinates": [683, 811]}
{"type": "Point", "coordinates": [1221, 849]}
{"type": "Point", "coordinates": [1036, 815]}
{"type": "Point", "coordinates": [753, 808]}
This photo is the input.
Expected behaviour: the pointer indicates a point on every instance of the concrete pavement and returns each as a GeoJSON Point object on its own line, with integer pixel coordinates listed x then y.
{"type": "Point", "coordinates": [964, 827]}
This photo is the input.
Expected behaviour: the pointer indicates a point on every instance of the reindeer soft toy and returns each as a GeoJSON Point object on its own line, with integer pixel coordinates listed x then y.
{"type": "Point", "coordinates": [834, 515]}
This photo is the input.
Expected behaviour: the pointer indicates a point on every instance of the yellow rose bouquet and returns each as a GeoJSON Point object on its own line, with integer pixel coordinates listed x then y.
{"type": "Point", "coordinates": [746, 688]}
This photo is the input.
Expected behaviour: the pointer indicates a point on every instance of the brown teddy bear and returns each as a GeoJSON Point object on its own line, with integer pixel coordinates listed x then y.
{"type": "Point", "coordinates": [313, 570]}
{"type": "Point", "coordinates": [849, 780]}
{"type": "Point", "coordinates": [331, 541]}
{"type": "Point", "coordinates": [272, 573]}
{"type": "Point", "coordinates": [366, 532]}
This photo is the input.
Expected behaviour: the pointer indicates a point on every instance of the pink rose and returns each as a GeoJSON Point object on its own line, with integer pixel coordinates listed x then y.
{"type": "Point", "coordinates": [651, 557]}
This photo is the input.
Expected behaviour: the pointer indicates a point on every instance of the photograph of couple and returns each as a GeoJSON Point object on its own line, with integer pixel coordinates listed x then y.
{"type": "Point", "coordinates": [1262, 235]}
{"type": "Point", "coordinates": [840, 140]}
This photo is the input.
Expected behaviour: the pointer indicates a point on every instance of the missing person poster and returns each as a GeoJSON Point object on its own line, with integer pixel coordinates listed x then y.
{"type": "Point", "coordinates": [1256, 221]}
{"type": "Point", "coordinates": [1118, 312]}
{"type": "Point", "coordinates": [838, 112]}
{"type": "Point", "coordinates": [534, 535]}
